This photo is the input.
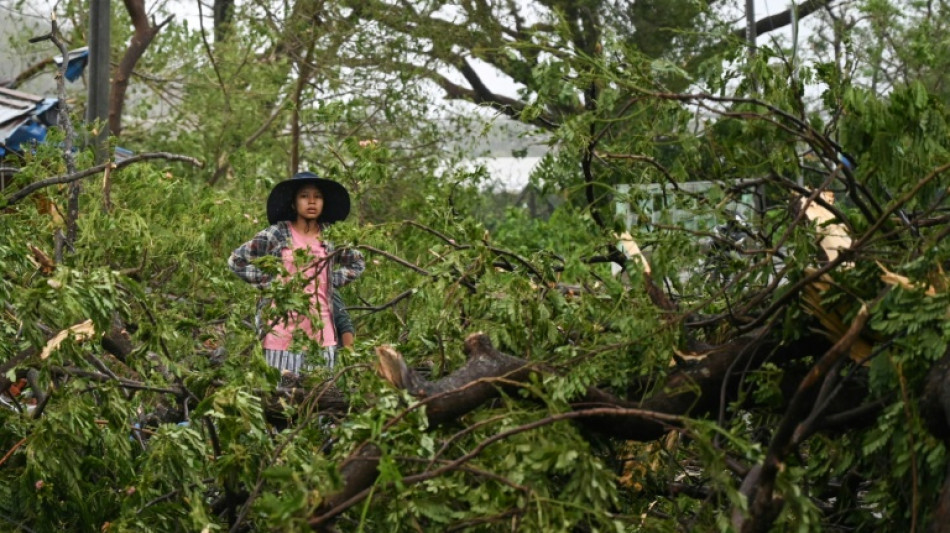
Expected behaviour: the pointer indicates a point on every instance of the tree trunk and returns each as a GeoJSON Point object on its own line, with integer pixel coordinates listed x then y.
{"type": "Point", "coordinates": [144, 33]}
{"type": "Point", "coordinates": [223, 14]}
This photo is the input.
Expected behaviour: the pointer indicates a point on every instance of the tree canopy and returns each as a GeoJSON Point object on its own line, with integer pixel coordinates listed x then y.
{"type": "Point", "coordinates": [734, 315]}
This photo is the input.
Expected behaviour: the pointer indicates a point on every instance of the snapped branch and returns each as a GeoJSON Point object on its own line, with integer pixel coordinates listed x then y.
{"type": "Point", "coordinates": [91, 171]}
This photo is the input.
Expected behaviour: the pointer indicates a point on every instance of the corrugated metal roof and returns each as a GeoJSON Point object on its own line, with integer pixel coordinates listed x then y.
{"type": "Point", "coordinates": [15, 104]}
{"type": "Point", "coordinates": [24, 117]}
{"type": "Point", "coordinates": [7, 128]}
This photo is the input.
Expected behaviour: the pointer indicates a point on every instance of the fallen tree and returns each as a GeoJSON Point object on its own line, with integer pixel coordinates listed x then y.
{"type": "Point", "coordinates": [818, 384]}
{"type": "Point", "coordinates": [642, 372]}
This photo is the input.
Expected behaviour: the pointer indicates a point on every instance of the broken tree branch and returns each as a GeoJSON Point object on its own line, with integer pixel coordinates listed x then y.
{"type": "Point", "coordinates": [759, 484]}
{"type": "Point", "coordinates": [71, 177]}
{"type": "Point", "coordinates": [687, 392]}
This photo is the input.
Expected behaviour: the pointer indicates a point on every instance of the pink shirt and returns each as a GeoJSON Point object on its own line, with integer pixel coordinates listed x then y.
{"type": "Point", "coordinates": [281, 335]}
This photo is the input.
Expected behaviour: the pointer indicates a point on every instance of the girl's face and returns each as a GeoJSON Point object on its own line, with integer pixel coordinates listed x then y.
{"type": "Point", "coordinates": [308, 203]}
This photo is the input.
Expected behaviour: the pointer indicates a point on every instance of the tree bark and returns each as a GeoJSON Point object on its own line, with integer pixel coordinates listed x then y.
{"type": "Point", "coordinates": [223, 14]}
{"type": "Point", "coordinates": [27, 74]}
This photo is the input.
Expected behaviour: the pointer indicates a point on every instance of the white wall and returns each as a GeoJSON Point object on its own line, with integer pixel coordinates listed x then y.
{"type": "Point", "coordinates": [17, 26]}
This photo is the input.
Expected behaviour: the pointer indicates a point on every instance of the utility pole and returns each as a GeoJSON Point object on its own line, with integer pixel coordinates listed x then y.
{"type": "Point", "coordinates": [750, 34]}
{"type": "Point", "coordinates": [97, 106]}
{"type": "Point", "coordinates": [750, 37]}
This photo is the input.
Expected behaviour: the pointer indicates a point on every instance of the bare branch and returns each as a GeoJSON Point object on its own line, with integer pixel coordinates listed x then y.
{"type": "Point", "coordinates": [68, 178]}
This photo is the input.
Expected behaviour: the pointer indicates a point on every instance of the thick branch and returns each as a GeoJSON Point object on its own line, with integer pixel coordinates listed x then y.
{"type": "Point", "coordinates": [780, 20]}
{"type": "Point", "coordinates": [29, 73]}
{"type": "Point", "coordinates": [508, 106]}
{"type": "Point", "coordinates": [478, 381]}
{"type": "Point", "coordinates": [760, 482]}
{"type": "Point", "coordinates": [693, 391]}
{"type": "Point", "coordinates": [144, 33]}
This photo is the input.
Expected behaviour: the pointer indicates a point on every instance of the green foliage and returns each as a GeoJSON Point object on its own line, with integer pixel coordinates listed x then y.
{"type": "Point", "coordinates": [447, 258]}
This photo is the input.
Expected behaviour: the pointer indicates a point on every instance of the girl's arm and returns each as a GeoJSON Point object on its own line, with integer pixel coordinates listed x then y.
{"type": "Point", "coordinates": [267, 242]}
{"type": "Point", "coordinates": [351, 266]}
{"type": "Point", "coordinates": [342, 321]}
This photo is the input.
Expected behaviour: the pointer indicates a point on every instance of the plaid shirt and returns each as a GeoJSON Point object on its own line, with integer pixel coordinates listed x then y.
{"type": "Point", "coordinates": [272, 240]}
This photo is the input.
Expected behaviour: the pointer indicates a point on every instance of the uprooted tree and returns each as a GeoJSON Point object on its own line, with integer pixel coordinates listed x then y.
{"type": "Point", "coordinates": [699, 337]}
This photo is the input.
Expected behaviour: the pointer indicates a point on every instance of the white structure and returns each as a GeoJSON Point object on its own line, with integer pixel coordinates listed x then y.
{"type": "Point", "coordinates": [17, 25]}
{"type": "Point", "coordinates": [507, 150]}
{"type": "Point", "coordinates": [660, 203]}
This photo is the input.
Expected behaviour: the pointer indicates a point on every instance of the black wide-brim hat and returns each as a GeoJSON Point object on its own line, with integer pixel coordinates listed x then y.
{"type": "Point", "coordinates": [336, 200]}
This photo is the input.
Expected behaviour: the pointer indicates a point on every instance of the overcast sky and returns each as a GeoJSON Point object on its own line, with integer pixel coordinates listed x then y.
{"type": "Point", "coordinates": [510, 172]}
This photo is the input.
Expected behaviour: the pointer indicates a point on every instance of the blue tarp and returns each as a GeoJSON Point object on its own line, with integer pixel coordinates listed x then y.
{"type": "Point", "coordinates": [31, 131]}
{"type": "Point", "coordinates": [78, 59]}
{"type": "Point", "coordinates": [24, 117]}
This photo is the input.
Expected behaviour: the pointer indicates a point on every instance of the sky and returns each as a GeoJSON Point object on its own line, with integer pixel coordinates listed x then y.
{"type": "Point", "coordinates": [38, 12]}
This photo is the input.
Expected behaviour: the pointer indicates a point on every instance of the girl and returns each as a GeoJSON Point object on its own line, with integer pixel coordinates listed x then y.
{"type": "Point", "coordinates": [299, 209]}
